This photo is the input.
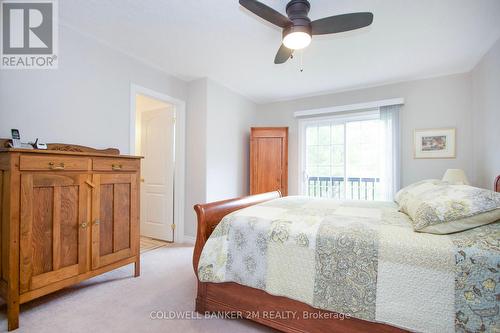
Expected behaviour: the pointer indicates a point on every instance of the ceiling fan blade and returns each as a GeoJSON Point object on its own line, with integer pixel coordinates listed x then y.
{"type": "Point", "coordinates": [340, 23]}
{"type": "Point", "coordinates": [266, 12]}
{"type": "Point", "coordinates": [284, 53]}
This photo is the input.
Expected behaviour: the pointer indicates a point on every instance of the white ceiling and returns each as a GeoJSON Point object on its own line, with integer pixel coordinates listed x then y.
{"type": "Point", "coordinates": [409, 39]}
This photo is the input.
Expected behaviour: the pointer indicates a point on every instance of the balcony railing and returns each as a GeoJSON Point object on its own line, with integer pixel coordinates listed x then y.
{"type": "Point", "coordinates": [333, 187]}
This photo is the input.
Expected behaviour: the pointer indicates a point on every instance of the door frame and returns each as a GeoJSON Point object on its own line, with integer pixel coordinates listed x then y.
{"type": "Point", "coordinates": [180, 138]}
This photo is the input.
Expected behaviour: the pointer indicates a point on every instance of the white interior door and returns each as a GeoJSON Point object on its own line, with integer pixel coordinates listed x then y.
{"type": "Point", "coordinates": [157, 190]}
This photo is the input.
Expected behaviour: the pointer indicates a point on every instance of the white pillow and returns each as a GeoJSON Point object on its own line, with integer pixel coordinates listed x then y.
{"type": "Point", "coordinates": [439, 207]}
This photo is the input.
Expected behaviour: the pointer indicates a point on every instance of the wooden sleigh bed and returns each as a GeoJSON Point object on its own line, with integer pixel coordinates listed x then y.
{"type": "Point", "coordinates": [245, 302]}
{"type": "Point", "coordinates": [238, 301]}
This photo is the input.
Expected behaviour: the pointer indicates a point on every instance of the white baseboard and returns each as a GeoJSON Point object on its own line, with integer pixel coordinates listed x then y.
{"type": "Point", "coordinates": [189, 239]}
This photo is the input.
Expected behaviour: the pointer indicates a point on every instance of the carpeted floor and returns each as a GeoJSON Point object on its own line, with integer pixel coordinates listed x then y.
{"type": "Point", "coordinates": [118, 302]}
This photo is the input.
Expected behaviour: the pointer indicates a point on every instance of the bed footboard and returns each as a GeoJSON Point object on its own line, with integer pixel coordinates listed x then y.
{"type": "Point", "coordinates": [210, 214]}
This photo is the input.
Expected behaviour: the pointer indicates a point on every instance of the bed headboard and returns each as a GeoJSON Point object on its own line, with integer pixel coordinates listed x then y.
{"type": "Point", "coordinates": [497, 184]}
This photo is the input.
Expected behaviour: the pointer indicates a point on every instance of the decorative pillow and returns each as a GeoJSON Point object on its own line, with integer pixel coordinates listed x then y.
{"type": "Point", "coordinates": [412, 189]}
{"type": "Point", "coordinates": [439, 207]}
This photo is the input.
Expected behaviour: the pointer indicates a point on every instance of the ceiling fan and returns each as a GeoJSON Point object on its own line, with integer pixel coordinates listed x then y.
{"type": "Point", "coordinates": [298, 28]}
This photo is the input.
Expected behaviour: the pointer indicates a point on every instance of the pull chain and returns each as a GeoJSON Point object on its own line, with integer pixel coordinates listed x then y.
{"type": "Point", "coordinates": [301, 65]}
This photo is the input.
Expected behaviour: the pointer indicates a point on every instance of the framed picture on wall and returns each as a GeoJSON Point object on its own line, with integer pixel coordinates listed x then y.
{"type": "Point", "coordinates": [434, 143]}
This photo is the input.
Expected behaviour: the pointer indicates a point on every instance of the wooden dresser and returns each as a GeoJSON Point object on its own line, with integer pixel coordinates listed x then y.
{"type": "Point", "coordinates": [269, 160]}
{"type": "Point", "coordinates": [66, 216]}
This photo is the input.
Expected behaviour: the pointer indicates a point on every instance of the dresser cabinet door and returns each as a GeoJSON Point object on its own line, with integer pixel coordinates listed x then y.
{"type": "Point", "coordinates": [53, 228]}
{"type": "Point", "coordinates": [114, 215]}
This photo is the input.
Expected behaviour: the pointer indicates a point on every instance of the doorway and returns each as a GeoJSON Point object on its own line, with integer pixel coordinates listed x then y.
{"type": "Point", "coordinates": [155, 136]}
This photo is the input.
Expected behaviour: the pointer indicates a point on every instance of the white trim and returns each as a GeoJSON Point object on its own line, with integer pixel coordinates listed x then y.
{"type": "Point", "coordinates": [350, 107]}
{"type": "Point", "coordinates": [180, 138]}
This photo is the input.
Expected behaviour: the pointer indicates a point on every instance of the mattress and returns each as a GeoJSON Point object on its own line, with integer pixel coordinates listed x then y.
{"type": "Point", "coordinates": [362, 259]}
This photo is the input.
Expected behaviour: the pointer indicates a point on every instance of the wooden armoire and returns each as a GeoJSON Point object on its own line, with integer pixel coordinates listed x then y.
{"type": "Point", "coordinates": [269, 160]}
{"type": "Point", "coordinates": [66, 216]}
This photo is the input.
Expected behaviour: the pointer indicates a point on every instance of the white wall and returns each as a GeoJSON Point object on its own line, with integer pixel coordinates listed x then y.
{"type": "Point", "coordinates": [431, 103]}
{"type": "Point", "coordinates": [486, 117]}
{"type": "Point", "coordinates": [217, 142]}
{"type": "Point", "coordinates": [196, 161]}
{"type": "Point", "coordinates": [229, 119]}
{"type": "Point", "coordinates": [85, 101]}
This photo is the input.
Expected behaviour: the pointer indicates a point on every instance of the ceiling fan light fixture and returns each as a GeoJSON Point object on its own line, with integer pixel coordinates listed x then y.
{"type": "Point", "coordinates": [297, 40]}
{"type": "Point", "coordinates": [298, 29]}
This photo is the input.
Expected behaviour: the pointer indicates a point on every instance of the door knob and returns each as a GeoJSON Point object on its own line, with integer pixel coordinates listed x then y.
{"type": "Point", "coordinates": [83, 225]}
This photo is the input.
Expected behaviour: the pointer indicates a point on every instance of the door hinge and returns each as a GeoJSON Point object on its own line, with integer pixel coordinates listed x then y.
{"type": "Point", "coordinates": [172, 226]}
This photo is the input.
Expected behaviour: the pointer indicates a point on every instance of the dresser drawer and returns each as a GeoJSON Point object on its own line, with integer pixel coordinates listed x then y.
{"type": "Point", "coordinates": [115, 164]}
{"type": "Point", "coordinates": [53, 163]}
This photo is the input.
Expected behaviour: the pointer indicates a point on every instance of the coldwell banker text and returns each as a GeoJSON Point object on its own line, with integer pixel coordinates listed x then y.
{"type": "Point", "coordinates": [29, 34]}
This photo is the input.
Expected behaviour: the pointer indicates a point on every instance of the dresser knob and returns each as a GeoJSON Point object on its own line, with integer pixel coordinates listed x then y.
{"type": "Point", "coordinates": [52, 166]}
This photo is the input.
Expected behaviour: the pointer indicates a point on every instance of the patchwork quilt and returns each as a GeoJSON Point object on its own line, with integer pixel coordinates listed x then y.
{"type": "Point", "coordinates": [362, 259]}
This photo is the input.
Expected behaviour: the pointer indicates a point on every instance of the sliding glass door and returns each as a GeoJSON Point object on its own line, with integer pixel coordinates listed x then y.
{"type": "Point", "coordinates": [341, 157]}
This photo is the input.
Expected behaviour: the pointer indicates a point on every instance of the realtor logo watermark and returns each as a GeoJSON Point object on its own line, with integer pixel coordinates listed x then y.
{"type": "Point", "coordinates": [29, 34]}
